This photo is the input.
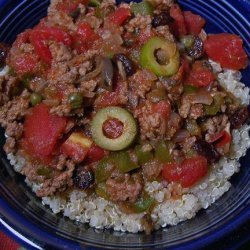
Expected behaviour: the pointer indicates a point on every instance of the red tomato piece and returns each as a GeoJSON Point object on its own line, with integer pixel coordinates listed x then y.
{"type": "Point", "coordinates": [194, 23]}
{"type": "Point", "coordinates": [39, 36]}
{"type": "Point", "coordinates": [226, 49]}
{"type": "Point", "coordinates": [84, 37]}
{"type": "Point", "coordinates": [183, 71]}
{"type": "Point", "coordinates": [95, 153]}
{"type": "Point", "coordinates": [179, 26]}
{"type": "Point", "coordinates": [25, 63]}
{"type": "Point", "coordinates": [162, 107]}
{"type": "Point", "coordinates": [221, 139]}
{"type": "Point", "coordinates": [188, 172]}
{"type": "Point", "coordinates": [42, 131]}
{"type": "Point", "coordinates": [119, 16]}
{"type": "Point", "coordinates": [200, 75]}
{"type": "Point", "coordinates": [69, 6]}
{"type": "Point", "coordinates": [74, 150]}
{"type": "Point", "coordinates": [40, 47]}
{"type": "Point", "coordinates": [55, 34]}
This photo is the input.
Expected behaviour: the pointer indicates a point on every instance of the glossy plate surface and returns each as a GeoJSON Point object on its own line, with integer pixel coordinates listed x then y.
{"type": "Point", "coordinates": [24, 212]}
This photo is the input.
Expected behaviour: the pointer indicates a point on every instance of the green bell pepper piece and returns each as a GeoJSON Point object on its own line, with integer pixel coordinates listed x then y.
{"type": "Point", "coordinates": [94, 3]}
{"type": "Point", "coordinates": [149, 61]}
{"type": "Point", "coordinates": [143, 155]}
{"type": "Point", "coordinates": [215, 107]}
{"type": "Point", "coordinates": [188, 89]}
{"type": "Point", "coordinates": [193, 128]}
{"type": "Point", "coordinates": [104, 170]}
{"type": "Point", "coordinates": [143, 204]}
{"type": "Point", "coordinates": [143, 8]}
{"type": "Point", "coordinates": [101, 190]}
{"type": "Point", "coordinates": [187, 41]}
{"type": "Point", "coordinates": [43, 171]}
{"type": "Point", "coordinates": [162, 152]}
{"type": "Point", "coordinates": [123, 162]}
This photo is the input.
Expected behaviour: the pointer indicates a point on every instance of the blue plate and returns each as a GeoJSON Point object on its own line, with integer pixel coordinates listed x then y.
{"type": "Point", "coordinates": [23, 212]}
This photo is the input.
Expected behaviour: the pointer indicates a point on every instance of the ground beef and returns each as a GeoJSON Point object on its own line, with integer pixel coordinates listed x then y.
{"type": "Point", "coordinates": [124, 187]}
{"type": "Point", "coordinates": [151, 170]}
{"type": "Point", "coordinates": [60, 53]}
{"type": "Point", "coordinates": [190, 107]}
{"type": "Point", "coordinates": [61, 73]}
{"type": "Point", "coordinates": [10, 85]}
{"type": "Point", "coordinates": [188, 143]}
{"type": "Point", "coordinates": [63, 109]}
{"type": "Point", "coordinates": [139, 22]}
{"type": "Point", "coordinates": [10, 145]}
{"type": "Point", "coordinates": [37, 84]}
{"type": "Point", "coordinates": [196, 111]}
{"type": "Point", "coordinates": [139, 85]}
{"type": "Point", "coordinates": [59, 18]}
{"type": "Point", "coordinates": [14, 129]}
{"type": "Point", "coordinates": [162, 4]}
{"type": "Point", "coordinates": [13, 110]}
{"type": "Point", "coordinates": [152, 125]}
{"type": "Point", "coordinates": [58, 183]}
{"type": "Point", "coordinates": [173, 125]}
{"type": "Point", "coordinates": [165, 32]}
{"type": "Point", "coordinates": [214, 125]}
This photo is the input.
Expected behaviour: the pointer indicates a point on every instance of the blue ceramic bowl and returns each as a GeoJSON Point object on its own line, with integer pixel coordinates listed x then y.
{"type": "Point", "coordinates": [21, 211]}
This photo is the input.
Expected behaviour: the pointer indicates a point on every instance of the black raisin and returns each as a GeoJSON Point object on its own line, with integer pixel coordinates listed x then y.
{"type": "Point", "coordinates": [83, 178]}
{"type": "Point", "coordinates": [240, 117]}
{"type": "Point", "coordinates": [161, 19]}
{"type": "Point", "coordinates": [126, 63]}
{"type": "Point", "coordinates": [196, 51]}
{"type": "Point", "coordinates": [207, 150]}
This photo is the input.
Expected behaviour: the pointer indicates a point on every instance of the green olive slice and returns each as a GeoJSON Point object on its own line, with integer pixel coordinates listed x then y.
{"type": "Point", "coordinates": [129, 128]}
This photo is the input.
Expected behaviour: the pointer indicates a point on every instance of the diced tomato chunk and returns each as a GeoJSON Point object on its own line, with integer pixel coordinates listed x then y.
{"type": "Point", "coordinates": [187, 173]}
{"type": "Point", "coordinates": [194, 23]}
{"type": "Point", "coordinates": [74, 150]}
{"type": "Point", "coordinates": [200, 75]}
{"type": "Point", "coordinates": [163, 108]}
{"type": "Point", "coordinates": [39, 36]}
{"type": "Point", "coordinates": [226, 49]}
{"type": "Point", "coordinates": [95, 153]}
{"type": "Point", "coordinates": [42, 131]}
{"type": "Point", "coordinates": [40, 47]}
{"type": "Point", "coordinates": [179, 26]}
{"type": "Point", "coordinates": [84, 37]}
{"type": "Point", "coordinates": [76, 146]}
{"type": "Point", "coordinates": [119, 16]}
{"type": "Point", "coordinates": [55, 34]}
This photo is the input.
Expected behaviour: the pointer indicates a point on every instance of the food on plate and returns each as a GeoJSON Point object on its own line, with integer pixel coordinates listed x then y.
{"type": "Point", "coordinates": [128, 117]}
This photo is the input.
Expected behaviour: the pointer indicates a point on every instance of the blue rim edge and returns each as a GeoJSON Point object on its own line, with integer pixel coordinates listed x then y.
{"type": "Point", "coordinates": [26, 227]}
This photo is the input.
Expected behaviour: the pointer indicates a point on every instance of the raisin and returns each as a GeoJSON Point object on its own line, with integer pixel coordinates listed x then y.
{"type": "Point", "coordinates": [161, 19]}
{"type": "Point", "coordinates": [126, 63]}
{"type": "Point", "coordinates": [207, 150]}
{"type": "Point", "coordinates": [83, 178]}
{"type": "Point", "coordinates": [196, 51]}
{"type": "Point", "coordinates": [239, 118]}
